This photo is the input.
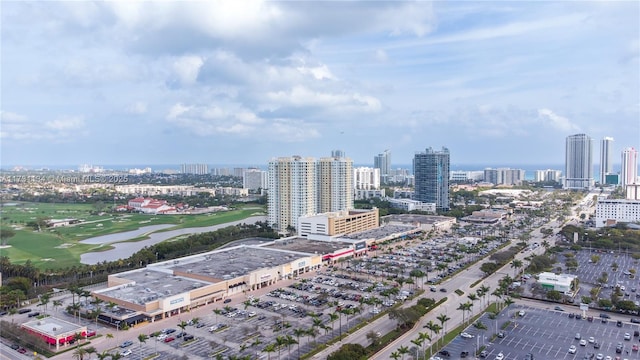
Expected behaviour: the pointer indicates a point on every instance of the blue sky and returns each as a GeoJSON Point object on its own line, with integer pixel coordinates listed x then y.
{"type": "Point", "coordinates": [241, 82]}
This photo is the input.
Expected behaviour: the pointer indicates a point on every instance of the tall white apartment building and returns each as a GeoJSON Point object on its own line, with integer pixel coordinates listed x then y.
{"type": "Point", "coordinates": [629, 169]}
{"type": "Point", "coordinates": [334, 184]}
{"type": "Point", "coordinates": [366, 178]}
{"type": "Point", "coordinates": [300, 186]}
{"type": "Point", "coordinates": [606, 165]}
{"type": "Point", "coordinates": [254, 179]}
{"type": "Point", "coordinates": [578, 162]}
{"type": "Point", "coordinates": [292, 191]}
{"type": "Point", "coordinates": [504, 176]}
{"type": "Point", "coordinates": [194, 169]}
{"type": "Point", "coordinates": [547, 175]}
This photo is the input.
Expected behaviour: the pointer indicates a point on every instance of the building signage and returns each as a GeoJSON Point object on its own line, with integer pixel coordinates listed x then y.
{"type": "Point", "coordinates": [301, 264]}
{"type": "Point", "coordinates": [265, 276]}
{"type": "Point", "coordinates": [361, 245]}
{"type": "Point", "coordinates": [176, 301]}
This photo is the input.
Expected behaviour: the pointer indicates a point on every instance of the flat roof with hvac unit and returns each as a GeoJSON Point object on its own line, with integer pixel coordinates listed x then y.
{"type": "Point", "coordinates": [54, 331]}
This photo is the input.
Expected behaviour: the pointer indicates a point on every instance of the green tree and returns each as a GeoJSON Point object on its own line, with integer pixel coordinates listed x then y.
{"type": "Point", "coordinates": [5, 235]}
{"type": "Point", "coordinates": [554, 295]}
{"type": "Point", "coordinates": [142, 338]}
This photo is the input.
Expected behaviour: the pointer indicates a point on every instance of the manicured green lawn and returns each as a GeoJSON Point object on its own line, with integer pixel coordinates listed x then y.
{"type": "Point", "coordinates": [59, 247]}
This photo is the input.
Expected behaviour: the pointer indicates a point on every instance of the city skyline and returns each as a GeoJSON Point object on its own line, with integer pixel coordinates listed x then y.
{"type": "Point", "coordinates": [242, 82]}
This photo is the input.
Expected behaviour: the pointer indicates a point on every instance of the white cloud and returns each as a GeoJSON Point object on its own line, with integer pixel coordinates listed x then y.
{"type": "Point", "coordinates": [137, 108]}
{"type": "Point", "coordinates": [11, 117]}
{"type": "Point", "coordinates": [300, 96]}
{"type": "Point", "coordinates": [187, 69]}
{"type": "Point", "coordinates": [65, 123]}
{"type": "Point", "coordinates": [556, 121]}
{"type": "Point", "coordinates": [20, 127]}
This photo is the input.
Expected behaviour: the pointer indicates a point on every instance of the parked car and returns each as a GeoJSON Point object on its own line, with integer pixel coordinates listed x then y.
{"type": "Point", "coordinates": [558, 308]}
{"type": "Point", "coordinates": [15, 346]}
{"type": "Point", "coordinates": [572, 349]}
{"type": "Point", "coordinates": [619, 323]}
{"type": "Point", "coordinates": [500, 356]}
{"type": "Point", "coordinates": [169, 339]}
{"type": "Point", "coordinates": [187, 337]}
{"type": "Point", "coordinates": [483, 353]}
{"type": "Point", "coordinates": [33, 314]}
{"type": "Point", "coordinates": [22, 351]}
{"type": "Point", "coordinates": [445, 353]}
{"type": "Point", "coordinates": [24, 311]}
{"type": "Point", "coordinates": [126, 343]}
{"type": "Point", "coordinates": [226, 301]}
{"type": "Point", "coordinates": [126, 352]}
{"type": "Point", "coordinates": [466, 335]}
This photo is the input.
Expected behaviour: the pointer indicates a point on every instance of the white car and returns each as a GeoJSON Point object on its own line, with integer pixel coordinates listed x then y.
{"type": "Point", "coordinates": [521, 313]}
{"type": "Point", "coordinates": [592, 340]}
{"type": "Point", "coordinates": [583, 342]}
{"type": "Point", "coordinates": [572, 349]}
{"type": "Point", "coordinates": [162, 336]}
{"type": "Point", "coordinates": [126, 352]}
{"type": "Point", "coordinates": [466, 335]}
{"type": "Point", "coordinates": [627, 336]}
{"type": "Point", "coordinates": [500, 356]}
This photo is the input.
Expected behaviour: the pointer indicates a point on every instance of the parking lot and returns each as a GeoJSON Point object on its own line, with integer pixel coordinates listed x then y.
{"type": "Point", "coordinates": [548, 334]}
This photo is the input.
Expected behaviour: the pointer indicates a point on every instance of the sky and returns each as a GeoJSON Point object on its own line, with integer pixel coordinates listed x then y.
{"type": "Point", "coordinates": [242, 82]}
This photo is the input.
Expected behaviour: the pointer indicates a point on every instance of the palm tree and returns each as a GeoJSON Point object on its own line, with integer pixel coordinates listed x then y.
{"type": "Point", "coordinates": [332, 318]}
{"type": "Point", "coordinates": [395, 355]}
{"type": "Point", "coordinates": [480, 326]}
{"type": "Point", "coordinates": [116, 356]}
{"type": "Point", "coordinates": [269, 349]}
{"type": "Point", "coordinates": [280, 341]}
{"type": "Point", "coordinates": [403, 350]}
{"type": "Point", "coordinates": [508, 301]}
{"type": "Point", "coordinates": [424, 337]}
{"type": "Point", "coordinates": [516, 264]}
{"type": "Point", "coordinates": [56, 304]}
{"type": "Point", "coordinates": [79, 353]}
{"type": "Point", "coordinates": [183, 325]}
{"type": "Point", "coordinates": [464, 307]}
{"type": "Point", "coordinates": [290, 341]}
{"type": "Point", "coordinates": [96, 314]}
{"type": "Point", "coordinates": [103, 355]}
{"type": "Point", "coordinates": [44, 300]}
{"type": "Point", "coordinates": [142, 338]}
{"type": "Point", "coordinates": [299, 332]}
{"type": "Point", "coordinates": [485, 291]}
{"type": "Point", "coordinates": [431, 325]}
{"type": "Point", "coordinates": [472, 297]}
{"type": "Point", "coordinates": [217, 312]}
{"type": "Point", "coordinates": [443, 318]}
{"type": "Point", "coordinates": [417, 342]}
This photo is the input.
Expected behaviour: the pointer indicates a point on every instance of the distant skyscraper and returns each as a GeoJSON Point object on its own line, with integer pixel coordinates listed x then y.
{"type": "Point", "coordinates": [254, 179]}
{"type": "Point", "coordinates": [578, 162]}
{"type": "Point", "coordinates": [194, 169]}
{"type": "Point", "coordinates": [383, 162]}
{"type": "Point", "coordinates": [431, 172]}
{"type": "Point", "coordinates": [629, 169]}
{"type": "Point", "coordinates": [334, 184]}
{"type": "Point", "coordinates": [337, 153]}
{"type": "Point", "coordinates": [606, 165]}
{"type": "Point", "coordinates": [292, 191]}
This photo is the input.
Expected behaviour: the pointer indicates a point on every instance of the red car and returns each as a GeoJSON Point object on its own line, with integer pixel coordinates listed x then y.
{"type": "Point", "coordinates": [169, 339]}
{"type": "Point", "coordinates": [634, 347]}
{"type": "Point", "coordinates": [22, 351]}
{"type": "Point", "coordinates": [91, 333]}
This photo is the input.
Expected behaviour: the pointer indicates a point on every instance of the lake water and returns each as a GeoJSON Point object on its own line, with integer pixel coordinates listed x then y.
{"type": "Point", "coordinates": [123, 250]}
